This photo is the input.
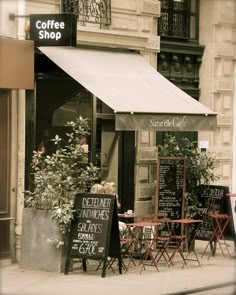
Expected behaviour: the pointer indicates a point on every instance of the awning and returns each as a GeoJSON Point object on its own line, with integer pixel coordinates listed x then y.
{"type": "Point", "coordinates": [141, 98]}
{"type": "Point", "coordinates": [16, 64]}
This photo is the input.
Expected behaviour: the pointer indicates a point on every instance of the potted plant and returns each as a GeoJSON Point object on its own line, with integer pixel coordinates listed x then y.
{"type": "Point", "coordinates": [199, 168]}
{"type": "Point", "coordinates": [48, 212]}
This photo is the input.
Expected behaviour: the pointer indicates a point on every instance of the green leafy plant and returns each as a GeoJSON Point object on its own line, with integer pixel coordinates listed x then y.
{"type": "Point", "coordinates": [57, 177]}
{"type": "Point", "coordinates": [199, 168]}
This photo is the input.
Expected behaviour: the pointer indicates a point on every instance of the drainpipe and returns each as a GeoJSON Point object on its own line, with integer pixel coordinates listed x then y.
{"type": "Point", "coordinates": [20, 142]}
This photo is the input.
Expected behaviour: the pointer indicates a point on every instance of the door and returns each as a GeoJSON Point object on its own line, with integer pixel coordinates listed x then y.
{"type": "Point", "coordinates": [5, 121]}
{"type": "Point", "coordinates": [118, 162]}
{"type": "Point", "coordinates": [126, 169]}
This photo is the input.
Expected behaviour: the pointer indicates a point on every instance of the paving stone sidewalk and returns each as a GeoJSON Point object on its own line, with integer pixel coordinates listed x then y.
{"type": "Point", "coordinates": [173, 280]}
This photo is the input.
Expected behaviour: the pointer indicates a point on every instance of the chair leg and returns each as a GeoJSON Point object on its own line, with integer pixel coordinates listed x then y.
{"type": "Point", "coordinates": [178, 249]}
{"type": "Point", "coordinates": [109, 264]}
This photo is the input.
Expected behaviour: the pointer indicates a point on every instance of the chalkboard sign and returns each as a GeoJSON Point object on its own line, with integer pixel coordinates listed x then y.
{"type": "Point", "coordinates": [171, 180]}
{"type": "Point", "coordinates": [94, 231]}
{"type": "Point", "coordinates": [229, 232]}
{"type": "Point", "coordinates": [212, 199]}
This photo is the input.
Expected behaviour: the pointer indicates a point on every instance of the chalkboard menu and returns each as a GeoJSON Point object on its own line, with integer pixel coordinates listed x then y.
{"type": "Point", "coordinates": [171, 179]}
{"type": "Point", "coordinates": [212, 199]}
{"type": "Point", "coordinates": [94, 232]}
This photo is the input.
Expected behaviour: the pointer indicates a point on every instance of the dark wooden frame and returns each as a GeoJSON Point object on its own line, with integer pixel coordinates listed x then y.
{"type": "Point", "coordinates": [111, 238]}
{"type": "Point", "coordinates": [158, 182]}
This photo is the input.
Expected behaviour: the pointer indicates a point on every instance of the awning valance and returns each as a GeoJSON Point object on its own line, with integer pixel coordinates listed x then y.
{"type": "Point", "coordinates": [141, 98]}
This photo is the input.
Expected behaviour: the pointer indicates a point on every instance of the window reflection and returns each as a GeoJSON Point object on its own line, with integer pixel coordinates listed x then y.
{"type": "Point", "coordinates": [80, 105]}
{"type": "Point", "coordinates": [179, 19]}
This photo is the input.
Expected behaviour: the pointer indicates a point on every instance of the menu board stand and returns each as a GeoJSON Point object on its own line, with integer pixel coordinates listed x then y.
{"type": "Point", "coordinates": [214, 199]}
{"type": "Point", "coordinates": [170, 189]}
{"type": "Point", "coordinates": [94, 231]}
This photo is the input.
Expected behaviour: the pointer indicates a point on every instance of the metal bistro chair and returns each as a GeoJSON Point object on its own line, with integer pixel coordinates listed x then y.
{"type": "Point", "coordinates": [163, 239]}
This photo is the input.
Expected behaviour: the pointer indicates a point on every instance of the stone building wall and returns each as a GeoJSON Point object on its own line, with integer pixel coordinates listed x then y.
{"type": "Point", "coordinates": [218, 35]}
{"type": "Point", "coordinates": [133, 26]}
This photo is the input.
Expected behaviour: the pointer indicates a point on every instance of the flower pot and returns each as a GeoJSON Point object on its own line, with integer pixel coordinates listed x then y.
{"type": "Point", "coordinates": [36, 250]}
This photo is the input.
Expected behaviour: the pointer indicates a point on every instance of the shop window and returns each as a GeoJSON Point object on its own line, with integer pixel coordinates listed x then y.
{"type": "Point", "coordinates": [89, 11]}
{"type": "Point", "coordinates": [179, 19]}
{"type": "Point", "coordinates": [79, 105]}
{"type": "Point", "coordinates": [192, 136]}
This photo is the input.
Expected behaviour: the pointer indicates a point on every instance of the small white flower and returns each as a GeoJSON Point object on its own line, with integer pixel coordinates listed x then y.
{"type": "Point", "coordinates": [59, 210]}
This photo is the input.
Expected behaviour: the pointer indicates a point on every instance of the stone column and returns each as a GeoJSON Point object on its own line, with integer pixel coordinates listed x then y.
{"type": "Point", "coordinates": [145, 182]}
{"type": "Point", "coordinates": [20, 182]}
{"type": "Point", "coordinates": [20, 169]}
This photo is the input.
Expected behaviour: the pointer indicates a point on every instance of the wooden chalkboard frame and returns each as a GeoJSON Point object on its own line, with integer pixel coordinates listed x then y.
{"type": "Point", "coordinates": [175, 160]}
{"type": "Point", "coordinates": [105, 241]}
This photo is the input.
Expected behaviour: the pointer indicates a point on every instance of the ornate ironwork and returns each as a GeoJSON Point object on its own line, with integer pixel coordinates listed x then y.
{"type": "Point", "coordinates": [90, 11]}
{"type": "Point", "coordinates": [174, 20]}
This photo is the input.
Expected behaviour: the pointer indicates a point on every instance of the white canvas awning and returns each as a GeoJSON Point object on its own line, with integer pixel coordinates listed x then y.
{"type": "Point", "coordinates": [141, 98]}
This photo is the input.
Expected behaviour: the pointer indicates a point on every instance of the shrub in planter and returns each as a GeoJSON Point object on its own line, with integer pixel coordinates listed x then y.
{"type": "Point", "coordinates": [56, 178]}
{"type": "Point", "coordinates": [199, 168]}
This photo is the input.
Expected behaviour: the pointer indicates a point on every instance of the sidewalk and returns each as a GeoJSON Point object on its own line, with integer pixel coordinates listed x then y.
{"type": "Point", "coordinates": [216, 270]}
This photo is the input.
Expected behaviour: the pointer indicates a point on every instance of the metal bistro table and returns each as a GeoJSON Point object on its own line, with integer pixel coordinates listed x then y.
{"type": "Point", "coordinates": [219, 223]}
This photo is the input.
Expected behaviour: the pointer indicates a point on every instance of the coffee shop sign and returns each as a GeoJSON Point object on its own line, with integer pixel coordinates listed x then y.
{"type": "Point", "coordinates": [53, 29]}
{"type": "Point", "coordinates": [176, 122]}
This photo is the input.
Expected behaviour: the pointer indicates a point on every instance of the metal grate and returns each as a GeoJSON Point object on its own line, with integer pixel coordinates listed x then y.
{"type": "Point", "coordinates": [174, 19]}
{"type": "Point", "coordinates": [89, 11]}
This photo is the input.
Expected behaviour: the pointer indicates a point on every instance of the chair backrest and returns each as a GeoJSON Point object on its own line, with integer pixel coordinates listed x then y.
{"type": "Point", "coordinates": [143, 217]}
{"type": "Point", "coordinates": [161, 215]}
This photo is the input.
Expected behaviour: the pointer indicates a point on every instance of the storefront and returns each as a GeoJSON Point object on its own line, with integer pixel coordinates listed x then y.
{"type": "Point", "coordinates": [120, 94]}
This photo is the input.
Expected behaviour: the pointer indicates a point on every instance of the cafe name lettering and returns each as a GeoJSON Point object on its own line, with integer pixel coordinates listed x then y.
{"type": "Point", "coordinates": [53, 29]}
{"type": "Point", "coordinates": [176, 122]}
{"type": "Point", "coordinates": [50, 29]}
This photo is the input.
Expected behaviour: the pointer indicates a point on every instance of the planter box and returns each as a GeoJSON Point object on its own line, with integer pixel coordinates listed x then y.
{"type": "Point", "coordinates": [36, 252]}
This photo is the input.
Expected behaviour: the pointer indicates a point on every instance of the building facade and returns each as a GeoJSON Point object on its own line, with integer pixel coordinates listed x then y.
{"type": "Point", "coordinates": [199, 58]}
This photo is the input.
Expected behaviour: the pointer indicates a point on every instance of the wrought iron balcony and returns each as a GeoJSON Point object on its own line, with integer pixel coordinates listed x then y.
{"type": "Point", "coordinates": [174, 20]}
{"type": "Point", "coordinates": [89, 11]}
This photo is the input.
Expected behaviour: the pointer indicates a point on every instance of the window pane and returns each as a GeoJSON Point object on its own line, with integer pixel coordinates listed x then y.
{"type": "Point", "coordinates": [193, 5]}
{"type": "Point", "coordinates": [176, 18]}
{"type": "Point", "coordinates": [190, 135]}
{"type": "Point", "coordinates": [80, 105]}
{"type": "Point", "coordinates": [193, 34]}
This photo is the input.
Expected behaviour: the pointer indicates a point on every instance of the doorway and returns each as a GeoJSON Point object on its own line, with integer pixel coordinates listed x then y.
{"type": "Point", "coordinates": [116, 150]}
{"type": "Point", "coordinates": [5, 150]}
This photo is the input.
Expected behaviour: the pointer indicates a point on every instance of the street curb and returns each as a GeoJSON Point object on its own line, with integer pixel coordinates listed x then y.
{"type": "Point", "coordinates": [207, 288]}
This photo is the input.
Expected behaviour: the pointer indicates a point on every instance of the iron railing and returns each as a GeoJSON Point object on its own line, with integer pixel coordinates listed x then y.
{"type": "Point", "coordinates": [89, 11]}
{"type": "Point", "coordinates": [174, 20]}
